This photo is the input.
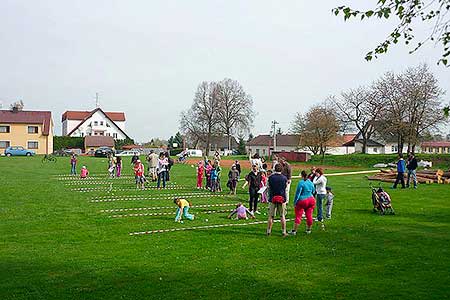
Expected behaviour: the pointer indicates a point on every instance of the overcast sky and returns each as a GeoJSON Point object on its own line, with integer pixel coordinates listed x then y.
{"type": "Point", "coordinates": [146, 58]}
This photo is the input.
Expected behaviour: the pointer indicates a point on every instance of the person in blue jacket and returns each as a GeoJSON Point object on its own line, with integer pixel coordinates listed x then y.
{"type": "Point", "coordinates": [401, 168]}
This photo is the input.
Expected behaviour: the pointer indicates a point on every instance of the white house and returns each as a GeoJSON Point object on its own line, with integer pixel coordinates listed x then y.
{"type": "Point", "coordinates": [96, 122]}
{"type": "Point", "coordinates": [378, 145]}
{"type": "Point", "coordinates": [263, 144]}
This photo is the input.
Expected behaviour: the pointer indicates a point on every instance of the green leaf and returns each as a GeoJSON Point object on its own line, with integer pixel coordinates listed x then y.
{"type": "Point", "coordinates": [446, 111]}
{"type": "Point", "coordinates": [369, 13]}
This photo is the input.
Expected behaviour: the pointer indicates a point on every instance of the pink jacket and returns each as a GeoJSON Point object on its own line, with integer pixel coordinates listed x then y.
{"type": "Point", "coordinates": [84, 173]}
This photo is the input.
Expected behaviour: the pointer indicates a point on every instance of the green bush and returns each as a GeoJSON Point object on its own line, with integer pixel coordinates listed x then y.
{"type": "Point", "coordinates": [64, 142]}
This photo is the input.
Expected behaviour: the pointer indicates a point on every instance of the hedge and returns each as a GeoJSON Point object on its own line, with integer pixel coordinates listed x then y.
{"type": "Point", "coordinates": [65, 142]}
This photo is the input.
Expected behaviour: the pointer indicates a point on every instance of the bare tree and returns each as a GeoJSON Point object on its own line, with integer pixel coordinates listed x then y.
{"type": "Point", "coordinates": [424, 103]}
{"type": "Point", "coordinates": [413, 105]}
{"type": "Point", "coordinates": [235, 108]}
{"type": "Point", "coordinates": [318, 128]}
{"type": "Point", "coordinates": [358, 108]}
{"type": "Point", "coordinates": [201, 120]}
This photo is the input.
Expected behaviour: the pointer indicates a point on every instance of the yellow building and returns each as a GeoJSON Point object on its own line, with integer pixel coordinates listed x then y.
{"type": "Point", "coordinates": [30, 129]}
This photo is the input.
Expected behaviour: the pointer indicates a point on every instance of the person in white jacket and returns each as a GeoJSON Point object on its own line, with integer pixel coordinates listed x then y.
{"type": "Point", "coordinates": [320, 182]}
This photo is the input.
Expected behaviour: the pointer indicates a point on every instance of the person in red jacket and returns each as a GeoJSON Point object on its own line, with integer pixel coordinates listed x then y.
{"type": "Point", "coordinates": [200, 171]}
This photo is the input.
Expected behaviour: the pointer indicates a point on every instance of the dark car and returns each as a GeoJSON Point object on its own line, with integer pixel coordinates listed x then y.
{"type": "Point", "coordinates": [103, 152]}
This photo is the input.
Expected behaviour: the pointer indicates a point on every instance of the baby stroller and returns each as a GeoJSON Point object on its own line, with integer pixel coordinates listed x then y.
{"type": "Point", "coordinates": [381, 202]}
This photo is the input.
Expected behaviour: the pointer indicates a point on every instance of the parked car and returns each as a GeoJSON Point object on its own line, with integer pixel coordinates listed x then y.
{"type": "Point", "coordinates": [195, 152]}
{"type": "Point", "coordinates": [18, 151]}
{"type": "Point", "coordinates": [103, 152]}
{"type": "Point", "coordinates": [128, 153]}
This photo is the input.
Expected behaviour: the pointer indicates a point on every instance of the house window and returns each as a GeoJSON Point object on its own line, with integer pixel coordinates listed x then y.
{"type": "Point", "coordinates": [33, 145]}
{"type": "Point", "coordinates": [375, 150]}
{"type": "Point", "coordinates": [33, 129]}
{"type": "Point", "coordinates": [95, 133]}
{"type": "Point", "coordinates": [101, 123]}
{"type": "Point", "coordinates": [95, 123]}
{"type": "Point", "coordinates": [4, 129]}
{"type": "Point", "coordinates": [4, 144]}
{"type": "Point", "coordinates": [108, 134]}
{"type": "Point", "coordinates": [115, 135]}
{"type": "Point", "coordinates": [100, 133]}
{"type": "Point", "coordinates": [82, 134]}
{"type": "Point", "coordinates": [107, 125]}
{"type": "Point", "coordinates": [264, 152]}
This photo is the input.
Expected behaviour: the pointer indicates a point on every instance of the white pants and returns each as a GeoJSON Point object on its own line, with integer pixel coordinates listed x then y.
{"type": "Point", "coordinates": [288, 188]}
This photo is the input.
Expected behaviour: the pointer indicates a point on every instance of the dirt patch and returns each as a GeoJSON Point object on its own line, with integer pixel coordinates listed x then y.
{"type": "Point", "coordinates": [296, 167]}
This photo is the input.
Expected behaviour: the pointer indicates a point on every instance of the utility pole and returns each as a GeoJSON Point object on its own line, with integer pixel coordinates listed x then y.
{"type": "Point", "coordinates": [97, 103]}
{"type": "Point", "coordinates": [274, 130]}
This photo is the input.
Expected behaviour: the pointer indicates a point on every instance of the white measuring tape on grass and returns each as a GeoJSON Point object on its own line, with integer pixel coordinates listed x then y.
{"type": "Point", "coordinates": [202, 227]}
{"type": "Point", "coordinates": [165, 197]}
{"type": "Point", "coordinates": [112, 188]}
{"type": "Point", "coordinates": [165, 207]}
{"type": "Point", "coordinates": [167, 213]}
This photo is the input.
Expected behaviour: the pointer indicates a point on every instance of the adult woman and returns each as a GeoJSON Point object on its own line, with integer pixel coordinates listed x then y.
{"type": "Point", "coordinates": [254, 181]}
{"type": "Point", "coordinates": [161, 169]}
{"type": "Point", "coordinates": [320, 183]}
{"type": "Point", "coordinates": [73, 164]}
{"type": "Point", "coordinates": [304, 202]}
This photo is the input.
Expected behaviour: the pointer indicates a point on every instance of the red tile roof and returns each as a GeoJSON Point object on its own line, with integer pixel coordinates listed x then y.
{"type": "Point", "coordinates": [27, 117]}
{"type": "Point", "coordinates": [435, 144]}
{"type": "Point", "coordinates": [89, 115]}
{"type": "Point", "coordinates": [98, 141]}
{"type": "Point", "coordinates": [81, 115]}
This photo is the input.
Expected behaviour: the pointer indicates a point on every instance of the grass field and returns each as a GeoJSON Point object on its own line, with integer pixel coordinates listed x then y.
{"type": "Point", "coordinates": [57, 244]}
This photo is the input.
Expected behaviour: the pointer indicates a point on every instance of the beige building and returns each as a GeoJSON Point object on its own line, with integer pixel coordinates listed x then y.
{"type": "Point", "coordinates": [30, 129]}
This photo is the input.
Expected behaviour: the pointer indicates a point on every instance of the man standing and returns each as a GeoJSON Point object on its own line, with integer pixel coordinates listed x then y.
{"type": "Point", "coordinates": [287, 172]}
{"type": "Point", "coordinates": [401, 168]}
{"type": "Point", "coordinates": [152, 160]}
{"type": "Point", "coordinates": [277, 199]}
{"type": "Point", "coordinates": [411, 165]}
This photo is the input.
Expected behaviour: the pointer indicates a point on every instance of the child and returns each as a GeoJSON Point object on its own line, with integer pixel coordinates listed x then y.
{"type": "Point", "coordinates": [208, 169]}
{"type": "Point", "coordinates": [241, 212]}
{"type": "Point", "coordinates": [200, 170]}
{"type": "Point", "coordinates": [218, 171]}
{"type": "Point", "coordinates": [139, 174]}
{"type": "Point", "coordinates": [263, 187]}
{"type": "Point", "coordinates": [73, 164]}
{"type": "Point", "coordinates": [329, 205]}
{"type": "Point", "coordinates": [183, 209]}
{"type": "Point", "coordinates": [233, 176]}
{"type": "Point", "coordinates": [84, 172]}
{"type": "Point", "coordinates": [112, 166]}
{"type": "Point", "coordinates": [213, 175]}
{"type": "Point", "coordinates": [119, 166]}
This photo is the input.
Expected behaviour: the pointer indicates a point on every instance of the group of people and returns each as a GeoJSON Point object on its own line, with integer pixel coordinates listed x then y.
{"type": "Point", "coordinates": [410, 166]}
{"type": "Point", "coordinates": [311, 191]}
{"type": "Point", "coordinates": [158, 169]}
{"type": "Point", "coordinates": [114, 165]}
{"type": "Point", "coordinates": [211, 171]}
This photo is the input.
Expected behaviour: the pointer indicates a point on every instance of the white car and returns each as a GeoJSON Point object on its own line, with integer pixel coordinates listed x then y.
{"type": "Point", "coordinates": [195, 152]}
{"type": "Point", "coordinates": [128, 153]}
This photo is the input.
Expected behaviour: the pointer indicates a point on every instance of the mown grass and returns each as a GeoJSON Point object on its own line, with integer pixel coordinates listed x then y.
{"type": "Point", "coordinates": [56, 244]}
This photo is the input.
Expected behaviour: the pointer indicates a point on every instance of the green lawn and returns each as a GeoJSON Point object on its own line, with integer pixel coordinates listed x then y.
{"type": "Point", "coordinates": [56, 244]}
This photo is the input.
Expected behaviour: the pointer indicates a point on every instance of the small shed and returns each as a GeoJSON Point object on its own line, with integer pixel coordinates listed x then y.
{"type": "Point", "coordinates": [294, 155]}
{"type": "Point", "coordinates": [93, 142]}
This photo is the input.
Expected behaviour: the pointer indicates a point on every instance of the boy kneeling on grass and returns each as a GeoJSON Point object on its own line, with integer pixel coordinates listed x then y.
{"type": "Point", "coordinates": [183, 209]}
